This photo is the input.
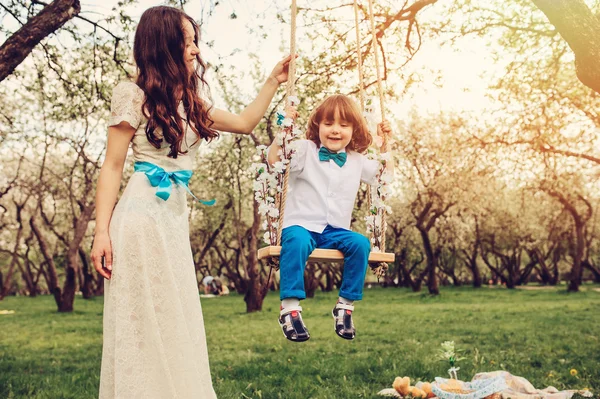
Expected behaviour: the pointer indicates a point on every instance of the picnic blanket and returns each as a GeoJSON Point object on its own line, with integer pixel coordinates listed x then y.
{"type": "Point", "coordinates": [516, 388]}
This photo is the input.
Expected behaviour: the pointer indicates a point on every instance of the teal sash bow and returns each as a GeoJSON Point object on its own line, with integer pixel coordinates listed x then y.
{"type": "Point", "coordinates": [338, 157]}
{"type": "Point", "coordinates": [162, 179]}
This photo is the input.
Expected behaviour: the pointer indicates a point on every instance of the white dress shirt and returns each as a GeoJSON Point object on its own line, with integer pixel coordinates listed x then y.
{"type": "Point", "coordinates": [320, 192]}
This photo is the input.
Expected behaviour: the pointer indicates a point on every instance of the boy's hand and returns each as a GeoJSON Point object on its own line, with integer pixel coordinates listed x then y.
{"type": "Point", "coordinates": [290, 112]}
{"type": "Point", "coordinates": [384, 130]}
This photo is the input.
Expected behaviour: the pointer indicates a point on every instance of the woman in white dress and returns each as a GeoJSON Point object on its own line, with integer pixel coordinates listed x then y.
{"type": "Point", "coordinates": [154, 340]}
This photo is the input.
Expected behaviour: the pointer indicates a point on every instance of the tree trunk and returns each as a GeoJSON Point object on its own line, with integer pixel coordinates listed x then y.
{"type": "Point", "coordinates": [18, 46]}
{"type": "Point", "coordinates": [475, 271]}
{"type": "Point", "coordinates": [595, 271]}
{"type": "Point", "coordinates": [543, 269]}
{"type": "Point", "coordinates": [255, 293]}
{"type": "Point", "coordinates": [432, 283]}
{"type": "Point", "coordinates": [330, 279]}
{"type": "Point", "coordinates": [580, 28]}
{"type": "Point", "coordinates": [86, 276]}
{"type": "Point", "coordinates": [311, 282]}
{"type": "Point", "coordinates": [28, 278]}
{"type": "Point", "coordinates": [6, 281]}
{"type": "Point", "coordinates": [50, 274]}
{"type": "Point", "coordinates": [511, 275]}
{"type": "Point", "coordinates": [72, 265]}
{"type": "Point", "coordinates": [471, 263]}
{"type": "Point", "coordinates": [575, 278]}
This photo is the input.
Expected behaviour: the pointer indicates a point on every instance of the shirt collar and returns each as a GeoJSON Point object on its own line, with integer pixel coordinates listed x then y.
{"type": "Point", "coordinates": [338, 152]}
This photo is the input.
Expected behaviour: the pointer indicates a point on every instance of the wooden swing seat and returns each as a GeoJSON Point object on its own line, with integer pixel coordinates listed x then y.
{"type": "Point", "coordinates": [326, 255]}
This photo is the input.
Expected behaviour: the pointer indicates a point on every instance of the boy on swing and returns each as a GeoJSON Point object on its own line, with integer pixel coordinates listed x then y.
{"type": "Point", "coordinates": [325, 175]}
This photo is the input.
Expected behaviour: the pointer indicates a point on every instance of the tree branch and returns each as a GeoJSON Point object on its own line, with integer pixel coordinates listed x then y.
{"type": "Point", "coordinates": [580, 28]}
{"type": "Point", "coordinates": [18, 46]}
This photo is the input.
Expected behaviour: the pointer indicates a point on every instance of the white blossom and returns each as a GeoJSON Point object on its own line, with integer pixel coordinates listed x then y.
{"type": "Point", "coordinates": [293, 101]}
{"type": "Point", "coordinates": [386, 156]}
{"type": "Point", "coordinates": [267, 237]}
{"type": "Point", "coordinates": [263, 209]}
{"type": "Point", "coordinates": [278, 167]}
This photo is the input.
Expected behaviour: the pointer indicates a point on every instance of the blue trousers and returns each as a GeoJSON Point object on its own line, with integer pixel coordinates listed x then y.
{"type": "Point", "coordinates": [297, 243]}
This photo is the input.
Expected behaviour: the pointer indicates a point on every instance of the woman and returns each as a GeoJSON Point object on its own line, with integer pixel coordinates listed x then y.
{"type": "Point", "coordinates": [154, 340]}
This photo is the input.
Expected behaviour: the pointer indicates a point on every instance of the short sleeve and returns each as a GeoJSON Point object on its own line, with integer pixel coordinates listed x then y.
{"type": "Point", "coordinates": [126, 105]}
{"type": "Point", "coordinates": [369, 171]}
{"type": "Point", "coordinates": [299, 158]}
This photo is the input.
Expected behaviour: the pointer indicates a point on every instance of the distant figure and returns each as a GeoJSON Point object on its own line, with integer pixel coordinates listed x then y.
{"type": "Point", "coordinates": [212, 285]}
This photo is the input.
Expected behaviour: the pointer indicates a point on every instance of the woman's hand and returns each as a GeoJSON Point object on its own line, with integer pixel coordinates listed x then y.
{"type": "Point", "coordinates": [102, 248]}
{"type": "Point", "coordinates": [280, 72]}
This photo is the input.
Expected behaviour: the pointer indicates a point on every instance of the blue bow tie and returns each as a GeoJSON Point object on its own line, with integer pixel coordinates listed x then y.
{"type": "Point", "coordinates": [162, 179]}
{"type": "Point", "coordinates": [338, 157]}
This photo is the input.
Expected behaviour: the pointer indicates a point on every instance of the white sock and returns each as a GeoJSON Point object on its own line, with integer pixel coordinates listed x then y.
{"type": "Point", "coordinates": [345, 301]}
{"type": "Point", "coordinates": [289, 302]}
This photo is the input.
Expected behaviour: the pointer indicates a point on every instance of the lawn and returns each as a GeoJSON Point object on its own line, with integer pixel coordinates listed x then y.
{"type": "Point", "coordinates": [544, 335]}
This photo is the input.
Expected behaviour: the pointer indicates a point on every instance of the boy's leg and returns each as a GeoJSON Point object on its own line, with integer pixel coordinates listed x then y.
{"type": "Point", "coordinates": [356, 249]}
{"type": "Point", "coordinates": [297, 243]}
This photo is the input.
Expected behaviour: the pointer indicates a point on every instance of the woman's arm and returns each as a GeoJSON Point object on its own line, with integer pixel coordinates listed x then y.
{"type": "Point", "coordinates": [107, 190]}
{"type": "Point", "coordinates": [247, 120]}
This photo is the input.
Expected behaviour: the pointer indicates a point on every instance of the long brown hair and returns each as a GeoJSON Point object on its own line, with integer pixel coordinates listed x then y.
{"type": "Point", "coordinates": [159, 49]}
{"type": "Point", "coordinates": [348, 111]}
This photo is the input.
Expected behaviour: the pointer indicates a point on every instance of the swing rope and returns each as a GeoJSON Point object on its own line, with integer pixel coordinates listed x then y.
{"type": "Point", "coordinates": [385, 147]}
{"type": "Point", "coordinates": [361, 81]}
{"type": "Point", "coordinates": [361, 85]}
{"type": "Point", "coordinates": [290, 91]}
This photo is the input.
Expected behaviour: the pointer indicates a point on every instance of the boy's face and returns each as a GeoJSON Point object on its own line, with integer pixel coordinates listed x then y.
{"type": "Point", "coordinates": [335, 134]}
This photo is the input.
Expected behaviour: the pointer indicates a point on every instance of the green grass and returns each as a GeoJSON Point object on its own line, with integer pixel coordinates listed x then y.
{"type": "Point", "coordinates": [538, 334]}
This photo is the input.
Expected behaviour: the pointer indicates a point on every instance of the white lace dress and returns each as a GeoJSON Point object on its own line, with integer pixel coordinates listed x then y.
{"type": "Point", "coordinates": [154, 340]}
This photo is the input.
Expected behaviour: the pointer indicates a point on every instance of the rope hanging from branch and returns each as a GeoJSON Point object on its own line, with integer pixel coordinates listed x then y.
{"type": "Point", "coordinates": [378, 235]}
{"type": "Point", "coordinates": [290, 91]}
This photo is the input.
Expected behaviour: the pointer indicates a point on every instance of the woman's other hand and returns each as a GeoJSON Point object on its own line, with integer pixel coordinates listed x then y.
{"type": "Point", "coordinates": [102, 248]}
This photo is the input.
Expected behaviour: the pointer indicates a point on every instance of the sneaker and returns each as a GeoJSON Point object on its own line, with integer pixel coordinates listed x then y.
{"type": "Point", "coordinates": [342, 320]}
{"type": "Point", "coordinates": [290, 321]}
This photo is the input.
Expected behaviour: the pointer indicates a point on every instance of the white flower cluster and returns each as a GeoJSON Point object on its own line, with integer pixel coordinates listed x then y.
{"type": "Point", "coordinates": [268, 184]}
{"type": "Point", "coordinates": [382, 189]}
{"type": "Point", "coordinates": [379, 192]}
{"type": "Point", "coordinates": [447, 352]}
{"type": "Point", "coordinates": [371, 115]}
